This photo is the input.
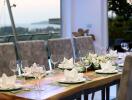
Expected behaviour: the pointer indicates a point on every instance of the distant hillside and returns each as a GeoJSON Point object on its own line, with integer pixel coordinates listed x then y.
{"type": "Point", "coordinates": [41, 22]}
{"type": "Point", "coordinates": [50, 21]}
{"type": "Point", "coordinates": [54, 21]}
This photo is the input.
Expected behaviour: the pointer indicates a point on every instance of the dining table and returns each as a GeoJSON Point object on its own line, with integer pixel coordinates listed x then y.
{"type": "Point", "coordinates": [51, 88]}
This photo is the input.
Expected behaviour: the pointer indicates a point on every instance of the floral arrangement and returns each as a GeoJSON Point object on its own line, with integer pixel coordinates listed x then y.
{"type": "Point", "coordinates": [96, 60]}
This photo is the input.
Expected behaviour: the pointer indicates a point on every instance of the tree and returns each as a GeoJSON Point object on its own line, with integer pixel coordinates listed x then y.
{"type": "Point", "coordinates": [121, 8]}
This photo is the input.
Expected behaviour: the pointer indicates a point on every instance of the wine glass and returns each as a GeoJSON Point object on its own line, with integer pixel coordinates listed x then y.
{"type": "Point", "coordinates": [125, 46]}
{"type": "Point", "coordinates": [54, 60]}
{"type": "Point", "coordinates": [12, 66]}
{"type": "Point", "coordinates": [86, 63]}
{"type": "Point", "coordinates": [83, 59]}
{"type": "Point", "coordinates": [24, 65]}
{"type": "Point", "coordinates": [82, 53]}
{"type": "Point", "coordinates": [38, 73]}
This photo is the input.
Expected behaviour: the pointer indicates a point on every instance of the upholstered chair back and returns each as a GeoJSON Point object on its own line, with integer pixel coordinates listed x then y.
{"type": "Point", "coordinates": [83, 44]}
{"type": "Point", "coordinates": [125, 89]}
{"type": "Point", "coordinates": [7, 55]}
{"type": "Point", "coordinates": [34, 51]}
{"type": "Point", "coordinates": [60, 48]}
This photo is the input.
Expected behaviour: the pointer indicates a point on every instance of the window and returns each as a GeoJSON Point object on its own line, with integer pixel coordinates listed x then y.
{"type": "Point", "coordinates": [34, 19]}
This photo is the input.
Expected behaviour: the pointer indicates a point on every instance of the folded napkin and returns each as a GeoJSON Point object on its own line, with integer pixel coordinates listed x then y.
{"type": "Point", "coordinates": [66, 64]}
{"type": "Point", "coordinates": [34, 68]}
{"type": "Point", "coordinates": [7, 82]}
{"type": "Point", "coordinates": [112, 53]}
{"type": "Point", "coordinates": [37, 68]}
{"type": "Point", "coordinates": [108, 67]}
{"type": "Point", "coordinates": [73, 75]}
{"type": "Point", "coordinates": [27, 70]}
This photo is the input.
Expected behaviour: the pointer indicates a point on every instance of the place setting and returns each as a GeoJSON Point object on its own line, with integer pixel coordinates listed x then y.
{"type": "Point", "coordinates": [107, 68]}
{"type": "Point", "coordinates": [30, 72]}
{"type": "Point", "coordinates": [73, 72]}
{"type": "Point", "coordinates": [17, 83]}
{"type": "Point", "coordinates": [8, 83]}
{"type": "Point", "coordinates": [72, 77]}
{"type": "Point", "coordinates": [101, 63]}
{"type": "Point", "coordinates": [66, 64]}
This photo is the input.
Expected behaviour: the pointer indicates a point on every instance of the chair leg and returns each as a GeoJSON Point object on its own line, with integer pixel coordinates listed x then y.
{"type": "Point", "coordinates": [117, 88]}
{"type": "Point", "coordinates": [103, 94]}
{"type": "Point", "coordinates": [92, 98]}
{"type": "Point", "coordinates": [85, 96]}
{"type": "Point", "coordinates": [108, 93]}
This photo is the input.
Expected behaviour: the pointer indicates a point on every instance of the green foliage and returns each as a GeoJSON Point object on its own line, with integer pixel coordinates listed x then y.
{"type": "Point", "coordinates": [121, 8]}
{"type": "Point", "coordinates": [121, 25]}
{"type": "Point", "coordinates": [120, 28]}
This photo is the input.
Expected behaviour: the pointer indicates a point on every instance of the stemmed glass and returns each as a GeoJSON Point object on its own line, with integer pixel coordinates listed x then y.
{"type": "Point", "coordinates": [12, 66]}
{"type": "Point", "coordinates": [125, 46]}
{"type": "Point", "coordinates": [83, 60]}
{"type": "Point", "coordinates": [86, 63]}
{"type": "Point", "coordinates": [38, 74]}
{"type": "Point", "coordinates": [24, 64]}
{"type": "Point", "coordinates": [54, 60]}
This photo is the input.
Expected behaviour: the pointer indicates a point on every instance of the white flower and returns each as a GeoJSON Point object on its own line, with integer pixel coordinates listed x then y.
{"type": "Point", "coordinates": [96, 59]}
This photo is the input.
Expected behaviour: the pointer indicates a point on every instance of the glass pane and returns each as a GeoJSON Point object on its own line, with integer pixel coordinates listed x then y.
{"type": "Point", "coordinates": [34, 19]}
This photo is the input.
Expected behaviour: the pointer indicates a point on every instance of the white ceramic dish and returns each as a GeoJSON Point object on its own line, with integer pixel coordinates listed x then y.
{"type": "Point", "coordinates": [106, 72]}
{"type": "Point", "coordinates": [16, 87]}
{"type": "Point", "coordinates": [72, 82]}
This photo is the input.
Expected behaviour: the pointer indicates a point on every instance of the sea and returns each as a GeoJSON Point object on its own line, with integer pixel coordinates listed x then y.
{"type": "Point", "coordinates": [32, 26]}
{"type": "Point", "coordinates": [38, 25]}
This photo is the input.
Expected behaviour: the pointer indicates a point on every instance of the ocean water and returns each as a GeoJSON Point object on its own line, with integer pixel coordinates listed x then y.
{"type": "Point", "coordinates": [38, 26]}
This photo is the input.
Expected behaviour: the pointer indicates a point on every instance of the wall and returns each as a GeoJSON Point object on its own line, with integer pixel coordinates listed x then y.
{"type": "Point", "coordinates": [87, 14]}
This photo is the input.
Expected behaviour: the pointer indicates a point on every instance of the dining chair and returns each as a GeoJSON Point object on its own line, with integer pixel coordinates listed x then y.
{"type": "Point", "coordinates": [7, 54]}
{"type": "Point", "coordinates": [83, 44]}
{"type": "Point", "coordinates": [61, 47]}
{"type": "Point", "coordinates": [125, 88]}
{"type": "Point", "coordinates": [34, 51]}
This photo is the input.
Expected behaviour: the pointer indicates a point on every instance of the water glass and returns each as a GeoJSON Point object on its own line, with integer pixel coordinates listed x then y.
{"type": "Point", "coordinates": [55, 59]}
{"type": "Point", "coordinates": [86, 63]}
{"type": "Point", "coordinates": [39, 73]}
{"type": "Point", "coordinates": [12, 66]}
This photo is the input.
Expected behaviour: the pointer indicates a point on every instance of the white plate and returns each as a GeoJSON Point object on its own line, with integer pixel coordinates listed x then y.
{"type": "Point", "coordinates": [72, 82]}
{"type": "Point", "coordinates": [16, 87]}
{"type": "Point", "coordinates": [106, 72]}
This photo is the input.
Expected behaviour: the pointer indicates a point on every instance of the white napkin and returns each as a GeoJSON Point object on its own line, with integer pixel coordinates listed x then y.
{"type": "Point", "coordinates": [66, 64]}
{"type": "Point", "coordinates": [73, 75]}
{"type": "Point", "coordinates": [108, 67]}
{"type": "Point", "coordinates": [34, 68]}
{"type": "Point", "coordinates": [112, 53]}
{"type": "Point", "coordinates": [7, 82]}
{"type": "Point", "coordinates": [27, 71]}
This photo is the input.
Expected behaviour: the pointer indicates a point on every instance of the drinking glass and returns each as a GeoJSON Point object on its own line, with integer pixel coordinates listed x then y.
{"type": "Point", "coordinates": [83, 53]}
{"type": "Point", "coordinates": [82, 56]}
{"type": "Point", "coordinates": [24, 64]}
{"type": "Point", "coordinates": [125, 46]}
{"type": "Point", "coordinates": [12, 66]}
{"type": "Point", "coordinates": [86, 63]}
{"type": "Point", "coordinates": [39, 73]}
{"type": "Point", "coordinates": [54, 60]}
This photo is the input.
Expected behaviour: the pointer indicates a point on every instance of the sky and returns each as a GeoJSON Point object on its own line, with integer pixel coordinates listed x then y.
{"type": "Point", "coordinates": [29, 11]}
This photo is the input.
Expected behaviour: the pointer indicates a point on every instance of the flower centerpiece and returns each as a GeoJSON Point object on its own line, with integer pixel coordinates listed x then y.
{"type": "Point", "coordinates": [96, 60]}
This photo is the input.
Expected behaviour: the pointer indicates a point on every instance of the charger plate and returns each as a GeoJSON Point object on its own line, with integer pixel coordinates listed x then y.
{"type": "Point", "coordinates": [106, 72]}
{"type": "Point", "coordinates": [16, 87]}
{"type": "Point", "coordinates": [64, 81]}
